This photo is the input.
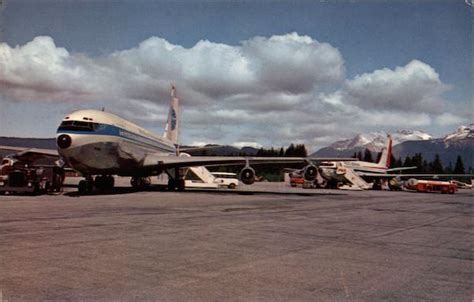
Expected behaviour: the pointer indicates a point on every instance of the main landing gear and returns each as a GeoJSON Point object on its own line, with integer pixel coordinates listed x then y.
{"type": "Point", "coordinates": [101, 183]}
{"type": "Point", "coordinates": [176, 184]}
{"type": "Point", "coordinates": [140, 183]}
{"type": "Point", "coordinates": [176, 181]}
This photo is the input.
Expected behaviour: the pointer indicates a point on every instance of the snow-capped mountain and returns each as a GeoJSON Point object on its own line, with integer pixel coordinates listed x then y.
{"type": "Point", "coordinates": [375, 141]}
{"type": "Point", "coordinates": [408, 143]}
{"type": "Point", "coordinates": [463, 132]}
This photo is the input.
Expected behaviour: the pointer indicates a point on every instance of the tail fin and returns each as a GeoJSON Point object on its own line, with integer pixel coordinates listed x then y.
{"type": "Point", "coordinates": [384, 160]}
{"type": "Point", "coordinates": [172, 124]}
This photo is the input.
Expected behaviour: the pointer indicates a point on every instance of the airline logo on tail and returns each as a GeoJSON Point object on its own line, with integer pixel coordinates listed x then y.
{"type": "Point", "coordinates": [172, 124]}
{"type": "Point", "coordinates": [173, 119]}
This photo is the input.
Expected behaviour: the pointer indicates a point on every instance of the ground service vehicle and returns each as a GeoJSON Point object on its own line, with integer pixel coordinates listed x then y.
{"type": "Point", "coordinates": [226, 179]}
{"type": "Point", "coordinates": [295, 181]}
{"type": "Point", "coordinates": [300, 181]}
{"type": "Point", "coordinates": [429, 186]}
{"type": "Point", "coordinates": [20, 178]}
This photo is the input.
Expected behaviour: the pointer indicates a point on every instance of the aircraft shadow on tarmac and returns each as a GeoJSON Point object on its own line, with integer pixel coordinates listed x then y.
{"type": "Point", "coordinates": [162, 189]}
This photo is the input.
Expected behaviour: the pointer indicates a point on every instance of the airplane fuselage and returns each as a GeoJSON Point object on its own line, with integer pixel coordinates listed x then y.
{"type": "Point", "coordinates": [95, 142]}
{"type": "Point", "coordinates": [329, 170]}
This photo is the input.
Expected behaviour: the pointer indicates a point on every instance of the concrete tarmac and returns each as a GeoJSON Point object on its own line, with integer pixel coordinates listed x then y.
{"type": "Point", "coordinates": [230, 246]}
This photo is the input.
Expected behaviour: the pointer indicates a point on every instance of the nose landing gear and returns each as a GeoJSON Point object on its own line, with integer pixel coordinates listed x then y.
{"type": "Point", "coordinates": [101, 183]}
{"type": "Point", "coordinates": [86, 186]}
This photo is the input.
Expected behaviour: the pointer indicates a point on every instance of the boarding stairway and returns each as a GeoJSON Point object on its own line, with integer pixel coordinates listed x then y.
{"type": "Point", "coordinates": [352, 177]}
{"type": "Point", "coordinates": [203, 174]}
{"type": "Point", "coordinates": [200, 173]}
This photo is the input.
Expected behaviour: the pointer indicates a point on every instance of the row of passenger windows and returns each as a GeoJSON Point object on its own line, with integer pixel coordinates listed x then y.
{"type": "Point", "coordinates": [90, 127]}
{"type": "Point", "coordinates": [78, 126]}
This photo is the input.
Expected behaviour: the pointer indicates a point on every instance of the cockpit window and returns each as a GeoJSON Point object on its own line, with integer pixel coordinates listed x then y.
{"type": "Point", "coordinates": [77, 126]}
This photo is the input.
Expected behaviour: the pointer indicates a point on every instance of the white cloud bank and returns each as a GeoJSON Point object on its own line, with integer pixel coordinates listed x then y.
{"type": "Point", "coordinates": [415, 86]}
{"type": "Point", "coordinates": [266, 89]}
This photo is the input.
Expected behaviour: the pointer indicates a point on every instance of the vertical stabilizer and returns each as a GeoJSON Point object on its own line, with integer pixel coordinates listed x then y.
{"type": "Point", "coordinates": [172, 124]}
{"type": "Point", "coordinates": [386, 154]}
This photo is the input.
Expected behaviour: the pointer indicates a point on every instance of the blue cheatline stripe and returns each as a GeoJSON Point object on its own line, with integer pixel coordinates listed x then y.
{"type": "Point", "coordinates": [110, 130]}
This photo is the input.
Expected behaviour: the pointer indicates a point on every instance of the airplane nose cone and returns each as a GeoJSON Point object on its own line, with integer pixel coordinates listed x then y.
{"type": "Point", "coordinates": [64, 141]}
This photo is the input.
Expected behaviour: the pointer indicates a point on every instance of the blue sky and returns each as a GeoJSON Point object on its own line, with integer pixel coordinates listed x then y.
{"type": "Point", "coordinates": [369, 36]}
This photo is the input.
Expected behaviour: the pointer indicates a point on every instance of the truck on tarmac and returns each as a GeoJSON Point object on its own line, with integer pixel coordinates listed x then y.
{"type": "Point", "coordinates": [431, 186]}
{"type": "Point", "coordinates": [17, 177]}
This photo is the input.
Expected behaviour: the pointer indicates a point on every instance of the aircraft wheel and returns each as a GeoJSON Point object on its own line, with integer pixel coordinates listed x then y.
{"type": "Point", "coordinates": [109, 182]}
{"type": "Point", "coordinates": [134, 183]}
{"type": "Point", "coordinates": [171, 184]}
{"type": "Point", "coordinates": [99, 182]}
{"type": "Point", "coordinates": [82, 188]}
{"type": "Point", "coordinates": [57, 183]}
{"type": "Point", "coordinates": [181, 185]}
{"type": "Point", "coordinates": [85, 187]}
{"type": "Point", "coordinates": [323, 184]}
{"type": "Point", "coordinates": [231, 186]}
{"type": "Point", "coordinates": [36, 190]}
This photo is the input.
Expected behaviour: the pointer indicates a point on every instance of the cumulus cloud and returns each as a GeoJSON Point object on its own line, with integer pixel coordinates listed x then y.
{"type": "Point", "coordinates": [265, 90]}
{"type": "Point", "coordinates": [280, 64]}
{"type": "Point", "coordinates": [447, 119]}
{"type": "Point", "coordinates": [415, 86]}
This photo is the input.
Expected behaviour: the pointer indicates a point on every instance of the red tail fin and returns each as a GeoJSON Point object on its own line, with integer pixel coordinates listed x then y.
{"type": "Point", "coordinates": [386, 155]}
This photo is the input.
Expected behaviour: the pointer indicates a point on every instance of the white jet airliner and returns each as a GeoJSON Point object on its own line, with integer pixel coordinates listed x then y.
{"type": "Point", "coordinates": [357, 171]}
{"type": "Point", "coordinates": [101, 144]}
{"type": "Point", "coordinates": [331, 170]}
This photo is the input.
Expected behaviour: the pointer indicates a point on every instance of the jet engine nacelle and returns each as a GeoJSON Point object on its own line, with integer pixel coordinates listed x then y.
{"type": "Point", "coordinates": [247, 175]}
{"type": "Point", "coordinates": [310, 172]}
{"type": "Point", "coordinates": [412, 182]}
{"type": "Point", "coordinates": [395, 184]}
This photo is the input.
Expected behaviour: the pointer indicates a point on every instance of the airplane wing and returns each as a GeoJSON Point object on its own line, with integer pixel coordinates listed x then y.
{"type": "Point", "coordinates": [402, 169]}
{"type": "Point", "coordinates": [30, 154]}
{"type": "Point", "coordinates": [324, 159]}
{"type": "Point", "coordinates": [24, 152]}
{"type": "Point", "coordinates": [167, 162]}
{"type": "Point", "coordinates": [387, 175]}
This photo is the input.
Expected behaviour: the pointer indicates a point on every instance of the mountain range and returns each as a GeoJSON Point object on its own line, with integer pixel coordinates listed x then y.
{"type": "Point", "coordinates": [407, 143]}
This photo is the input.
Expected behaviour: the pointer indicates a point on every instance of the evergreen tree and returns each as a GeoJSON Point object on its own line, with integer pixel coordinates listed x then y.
{"type": "Point", "coordinates": [399, 162]}
{"type": "Point", "coordinates": [459, 167]}
{"type": "Point", "coordinates": [368, 155]}
{"type": "Point", "coordinates": [281, 153]}
{"type": "Point", "coordinates": [417, 161]}
{"type": "Point", "coordinates": [290, 151]}
{"type": "Point", "coordinates": [437, 165]}
{"type": "Point", "coordinates": [301, 150]}
{"type": "Point", "coordinates": [449, 169]}
{"type": "Point", "coordinates": [273, 153]}
{"type": "Point", "coordinates": [359, 155]}
{"type": "Point", "coordinates": [354, 155]}
{"type": "Point", "coordinates": [407, 162]}
{"type": "Point", "coordinates": [425, 167]}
